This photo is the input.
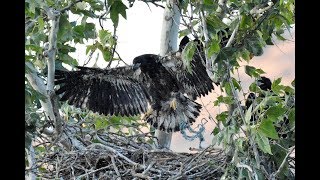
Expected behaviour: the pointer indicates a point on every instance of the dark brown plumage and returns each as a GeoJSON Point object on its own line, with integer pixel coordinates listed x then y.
{"type": "Point", "coordinates": [161, 82]}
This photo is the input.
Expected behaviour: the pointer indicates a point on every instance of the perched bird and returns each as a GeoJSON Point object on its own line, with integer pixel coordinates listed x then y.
{"type": "Point", "coordinates": [159, 87]}
{"type": "Point", "coordinates": [265, 84]}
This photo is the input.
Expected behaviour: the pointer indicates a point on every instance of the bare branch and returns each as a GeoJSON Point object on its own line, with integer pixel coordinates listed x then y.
{"type": "Point", "coordinates": [51, 52]}
{"type": "Point", "coordinates": [231, 39]}
{"type": "Point", "coordinates": [114, 46]}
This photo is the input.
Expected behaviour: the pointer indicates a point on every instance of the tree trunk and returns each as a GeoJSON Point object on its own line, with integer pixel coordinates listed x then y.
{"type": "Point", "coordinates": [169, 38]}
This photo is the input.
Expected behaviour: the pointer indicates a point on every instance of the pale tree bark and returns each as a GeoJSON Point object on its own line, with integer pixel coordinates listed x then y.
{"type": "Point", "coordinates": [31, 160]}
{"type": "Point", "coordinates": [50, 103]}
{"type": "Point", "coordinates": [169, 43]}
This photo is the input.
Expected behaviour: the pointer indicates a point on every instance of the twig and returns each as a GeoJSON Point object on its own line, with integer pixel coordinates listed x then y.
{"type": "Point", "coordinates": [31, 24]}
{"type": "Point", "coordinates": [230, 41]}
{"type": "Point", "coordinates": [121, 58]}
{"type": "Point", "coordinates": [115, 167]}
{"type": "Point", "coordinates": [114, 46]}
{"type": "Point", "coordinates": [86, 174]}
{"type": "Point", "coordinates": [153, 2]}
{"type": "Point", "coordinates": [115, 152]}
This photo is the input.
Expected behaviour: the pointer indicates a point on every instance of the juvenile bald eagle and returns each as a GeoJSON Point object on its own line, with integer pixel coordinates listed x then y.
{"type": "Point", "coordinates": [163, 83]}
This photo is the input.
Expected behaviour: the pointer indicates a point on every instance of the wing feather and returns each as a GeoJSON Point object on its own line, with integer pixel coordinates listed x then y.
{"type": "Point", "coordinates": [113, 91]}
{"type": "Point", "coordinates": [197, 83]}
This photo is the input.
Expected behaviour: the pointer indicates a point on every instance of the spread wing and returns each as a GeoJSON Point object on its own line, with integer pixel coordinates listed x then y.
{"type": "Point", "coordinates": [107, 91]}
{"type": "Point", "coordinates": [196, 83]}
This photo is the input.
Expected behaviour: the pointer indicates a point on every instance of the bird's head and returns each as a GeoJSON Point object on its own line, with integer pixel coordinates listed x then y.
{"type": "Point", "coordinates": [264, 83]}
{"type": "Point", "coordinates": [144, 61]}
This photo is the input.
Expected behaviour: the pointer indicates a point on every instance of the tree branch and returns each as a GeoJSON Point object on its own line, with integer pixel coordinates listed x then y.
{"type": "Point", "coordinates": [38, 85]}
{"type": "Point", "coordinates": [54, 16]}
{"type": "Point", "coordinates": [231, 39]}
{"type": "Point", "coordinates": [31, 159]}
{"type": "Point", "coordinates": [169, 38]}
{"type": "Point", "coordinates": [206, 40]}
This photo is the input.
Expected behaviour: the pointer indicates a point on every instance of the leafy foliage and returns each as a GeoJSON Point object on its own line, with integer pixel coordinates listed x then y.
{"type": "Point", "coordinates": [256, 139]}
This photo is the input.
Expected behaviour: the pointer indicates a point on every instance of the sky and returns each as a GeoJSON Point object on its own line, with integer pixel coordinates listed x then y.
{"type": "Point", "coordinates": [140, 34]}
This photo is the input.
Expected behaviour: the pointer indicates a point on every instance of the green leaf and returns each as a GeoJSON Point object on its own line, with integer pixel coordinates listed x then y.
{"type": "Point", "coordinates": [215, 131]}
{"type": "Point", "coordinates": [236, 84]}
{"type": "Point", "coordinates": [263, 142]}
{"type": "Point", "coordinates": [214, 22]}
{"type": "Point", "coordinates": [33, 47]}
{"type": "Point", "coordinates": [275, 112]}
{"type": "Point", "coordinates": [117, 8]}
{"type": "Point", "coordinates": [41, 23]}
{"type": "Point", "coordinates": [277, 81]}
{"type": "Point", "coordinates": [227, 87]}
{"type": "Point", "coordinates": [187, 55]}
{"type": "Point", "coordinates": [267, 128]}
{"type": "Point", "coordinates": [65, 29]}
{"type": "Point", "coordinates": [222, 99]}
{"type": "Point", "coordinates": [276, 87]}
{"type": "Point", "coordinates": [252, 44]}
{"type": "Point", "coordinates": [222, 116]}
{"type": "Point", "coordinates": [97, 5]}
{"type": "Point", "coordinates": [253, 72]}
{"type": "Point", "coordinates": [285, 21]}
{"type": "Point", "coordinates": [245, 54]}
{"type": "Point", "coordinates": [184, 32]}
{"type": "Point", "coordinates": [226, 54]}
{"type": "Point", "coordinates": [36, 38]}
{"type": "Point", "coordinates": [65, 48]}
{"type": "Point", "coordinates": [246, 22]}
{"type": "Point", "coordinates": [105, 52]}
{"type": "Point", "coordinates": [67, 59]}
{"type": "Point", "coordinates": [214, 47]}
{"type": "Point", "coordinates": [85, 31]}
{"type": "Point", "coordinates": [104, 36]}
{"type": "Point", "coordinates": [91, 48]}
{"type": "Point", "coordinates": [292, 116]}
{"type": "Point", "coordinates": [208, 6]}
{"type": "Point", "coordinates": [100, 123]}
{"type": "Point", "coordinates": [280, 37]}
{"type": "Point", "coordinates": [115, 119]}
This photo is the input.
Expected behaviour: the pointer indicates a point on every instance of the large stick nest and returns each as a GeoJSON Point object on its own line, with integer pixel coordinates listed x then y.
{"type": "Point", "coordinates": [119, 157]}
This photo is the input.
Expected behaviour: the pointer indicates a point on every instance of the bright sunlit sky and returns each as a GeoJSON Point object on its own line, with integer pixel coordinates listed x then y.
{"type": "Point", "coordinates": [140, 34]}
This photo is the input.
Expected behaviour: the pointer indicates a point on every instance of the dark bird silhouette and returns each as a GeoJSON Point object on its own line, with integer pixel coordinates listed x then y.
{"type": "Point", "coordinates": [160, 87]}
{"type": "Point", "coordinates": [265, 84]}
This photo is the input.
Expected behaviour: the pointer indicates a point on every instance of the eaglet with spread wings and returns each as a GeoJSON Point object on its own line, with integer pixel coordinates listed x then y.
{"type": "Point", "coordinates": [161, 88]}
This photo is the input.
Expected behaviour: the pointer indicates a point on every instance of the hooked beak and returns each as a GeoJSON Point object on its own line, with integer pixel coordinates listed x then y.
{"type": "Point", "coordinates": [136, 66]}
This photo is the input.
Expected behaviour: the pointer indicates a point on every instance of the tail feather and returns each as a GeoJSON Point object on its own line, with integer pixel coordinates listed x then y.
{"type": "Point", "coordinates": [171, 120]}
